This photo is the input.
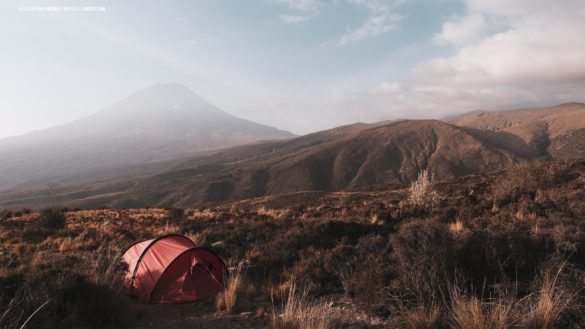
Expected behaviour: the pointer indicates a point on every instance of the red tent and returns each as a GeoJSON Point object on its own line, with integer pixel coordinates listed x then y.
{"type": "Point", "coordinates": [172, 269]}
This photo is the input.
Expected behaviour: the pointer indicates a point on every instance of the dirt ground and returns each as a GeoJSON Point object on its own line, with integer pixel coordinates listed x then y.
{"type": "Point", "coordinates": [203, 315]}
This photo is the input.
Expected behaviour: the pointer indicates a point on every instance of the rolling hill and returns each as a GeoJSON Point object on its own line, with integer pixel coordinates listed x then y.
{"type": "Point", "coordinates": [557, 131]}
{"type": "Point", "coordinates": [359, 157]}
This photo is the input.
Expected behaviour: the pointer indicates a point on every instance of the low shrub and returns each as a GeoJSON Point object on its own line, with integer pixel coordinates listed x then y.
{"type": "Point", "coordinates": [422, 193]}
{"type": "Point", "coordinates": [70, 301]}
{"type": "Point", "coordinates": [529, 178]}
{"type": "Point", "coordinates": [53, 218]}
{"type": "Point", "coordinates": [175, 213]}
{"type": "Point", "coordinates": [6, 214]}
{"type": "Point", "coordinates": [424, 251]}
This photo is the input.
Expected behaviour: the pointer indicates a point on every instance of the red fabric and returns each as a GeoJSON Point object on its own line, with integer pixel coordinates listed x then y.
{"type": "Point", "coordinates": [131, 257]}
{"type": "Point", "coordinates": [154, 261]}
{"type": "Point", "coordinates": [215, 265]}
{"type": "Point", "coordinates": [173, 270]}
{"type": "Point", "coordinates": [187, 279]}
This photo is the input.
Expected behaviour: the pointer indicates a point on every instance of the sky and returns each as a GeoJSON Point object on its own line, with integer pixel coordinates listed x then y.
{"type": "Point", "coordinates": [299, 65]}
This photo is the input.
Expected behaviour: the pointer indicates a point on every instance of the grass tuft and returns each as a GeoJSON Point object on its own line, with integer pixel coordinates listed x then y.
{"type": "Point", "coordinates": [300, 311]}
{"type": "Point", "coordinates": [227, 299]}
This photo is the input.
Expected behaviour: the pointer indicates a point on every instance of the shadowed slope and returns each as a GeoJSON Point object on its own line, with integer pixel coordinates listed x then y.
{"type": "Point", "coordinates": [363, 159]}
{"type": "Point", "coordinates": [360, 157]}
{"type": "Point", "coordinates": [556, 131]}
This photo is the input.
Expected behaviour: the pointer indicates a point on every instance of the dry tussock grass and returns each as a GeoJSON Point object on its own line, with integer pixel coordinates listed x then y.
{"type": "Point", "coordinates": [547, 305]}
{"type": "Point", "coordinates": [205, 213]}
{"type": "Point", "coordinates": [542, 309]}
{"type": "Point", "coordinates": [252, 255]}
{"type": "Point", "coordinates": [198, 238]}
{"type": "Point", "coordinates": [167, 229]}
{"type": "Point", "coordinates": [227, 299]}
{"type": "Point", "coordinates": [263, 211]}
{"type": "Point", "coordinates": [300, 311]}
{"type": "Point", "coordinates": [67, 244]}
{"type": "Point", "coordinates": [457, 226]}
{"type": "Point", "coordinates": [470, 312]}
{"type": "Point", "coordinates": [422, 317]}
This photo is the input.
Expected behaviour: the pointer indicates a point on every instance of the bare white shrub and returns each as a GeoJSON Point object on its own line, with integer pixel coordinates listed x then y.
{"type": "Point", "coordinates": [422, 193]}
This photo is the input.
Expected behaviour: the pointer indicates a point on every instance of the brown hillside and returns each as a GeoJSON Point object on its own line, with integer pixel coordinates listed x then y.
{"type": "Point", "coordinates": [556, 131]}
{"type": "Point", "coordinates": [360, 157]}
{"type": "Point", "coordinates": [374, 158]}
{"type": "Point", "coordinates": [491, 241]}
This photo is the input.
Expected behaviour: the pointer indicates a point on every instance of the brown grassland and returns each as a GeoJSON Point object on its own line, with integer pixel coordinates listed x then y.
{"type": "Point", "coordinates": [494, 250]}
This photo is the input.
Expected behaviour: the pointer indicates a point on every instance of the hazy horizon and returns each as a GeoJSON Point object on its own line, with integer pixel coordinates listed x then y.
{"type": "Point", "coordinates": [298, 65]}
{"type": "Point", "coordinates": [445, 117]}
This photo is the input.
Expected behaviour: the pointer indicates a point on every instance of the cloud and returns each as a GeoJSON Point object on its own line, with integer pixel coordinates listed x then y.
{"type": "Point", "coordinates": [381, 20]}
{"type": "Point", "coordinates": [504, 55]}
{"type": "Point", "coordinates": [387, 88]}
{"type": "Point", "coordinates": [374, 26]}
{"type": "Point", "coordinates": [543, 46]}
{"type": "Point", "coordinates": [297, 19]}
{"type": "Point", "coordinates": [536, 57]}
{"type": "Point", "coordinates": [461, 30]}
{"type": "Point", "coordinates": [302, 5]}
{"type": "Point", "coordinates": [181, 20]}
{"type": "Point", "coordinates": [305, 10]}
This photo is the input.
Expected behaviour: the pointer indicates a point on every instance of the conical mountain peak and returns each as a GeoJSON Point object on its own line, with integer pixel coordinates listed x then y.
{"type": "Point", "coordinates": [165, 99]}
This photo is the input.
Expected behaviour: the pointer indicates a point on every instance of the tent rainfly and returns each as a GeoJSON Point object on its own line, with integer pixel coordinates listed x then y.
{"type": "Point", "coordinates": [172, 269]}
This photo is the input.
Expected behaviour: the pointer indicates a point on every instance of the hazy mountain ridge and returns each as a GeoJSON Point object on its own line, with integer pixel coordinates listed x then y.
{"type": "Point", "coordinates": [359, 157]}
{"type": "Point", "coordinates": [162, 123]}
{"type": "Point", "coordinates": [349, 158]}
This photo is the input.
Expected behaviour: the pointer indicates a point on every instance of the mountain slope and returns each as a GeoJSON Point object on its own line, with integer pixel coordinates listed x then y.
{"type": "Point", "coordinates": [376, 157]}
{"type": "Point", "coordinates": [161, 123]}
{"type": "Point", "coordinates": [358, 157]}
{"type": "Point", "coordinates": [372, 159]}
{"type": "Point", "coordinates": [557, 132]}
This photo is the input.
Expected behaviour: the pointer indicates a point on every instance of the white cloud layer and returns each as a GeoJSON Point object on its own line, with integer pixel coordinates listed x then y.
{"type": "Point", "coordinates": [296, 19]}
{"type": "Point", "coordinates": [381, 19]}
{"type": "Point", "coordinates": [461, 30]}
{"type": "Point", "coordinates": [305, 10]}
{"type": "Point", "coordinates": [302, 5]}
{"type": "Point", "coordinates": [536, 57]}
{"type": "Point", "coordinates": [505, 55]}
{"type": "Point", "coordinates": [387, 88]}
{"type": "Point", "coordinates": [543, 44]}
